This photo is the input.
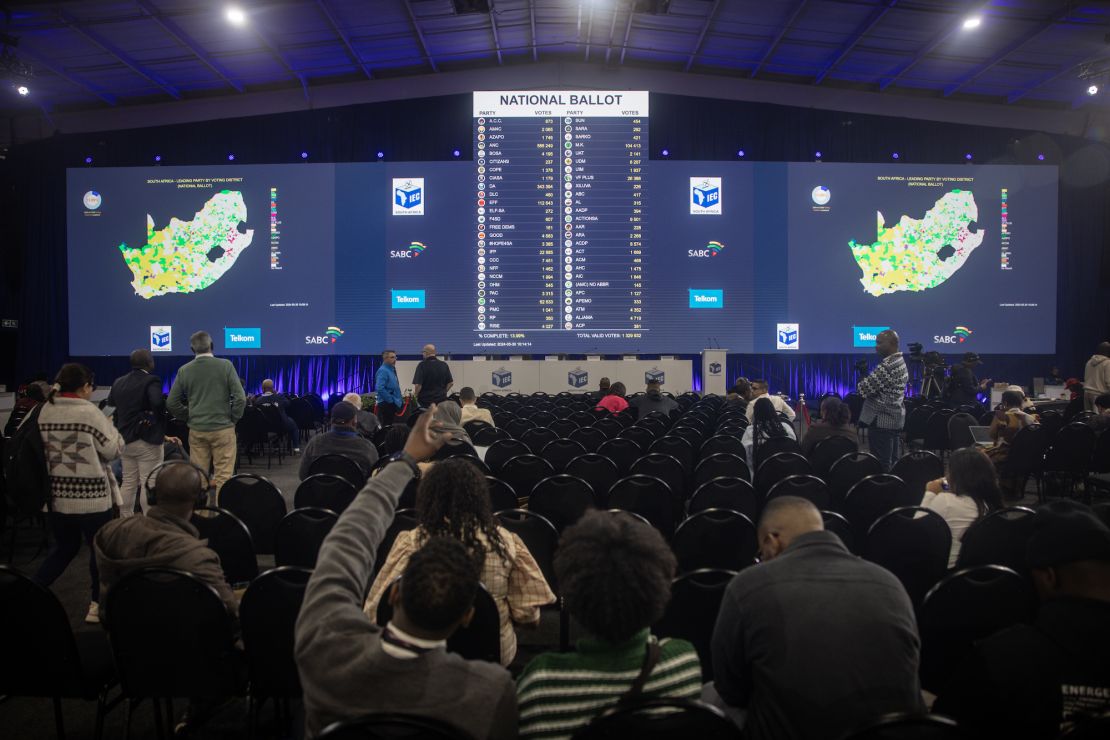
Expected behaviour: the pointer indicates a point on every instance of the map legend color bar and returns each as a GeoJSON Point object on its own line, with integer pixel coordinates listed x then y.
{"type": "Point", "coordinates": [1004, 233]}
{"type": "Point", "coordinates": [275, 232]}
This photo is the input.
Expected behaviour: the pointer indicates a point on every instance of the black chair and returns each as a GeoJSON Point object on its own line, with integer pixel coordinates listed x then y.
{"type": "Point", "coordinates": [597, 470]}
{"type": "Point", "coordinates": [916, 421]}
{"type": "Point", "coordinates": [622, 451]}
{"type": "Point", "coordinates": [258, 503]}
{"type": "Point", "coordinates": [503, 450]}
{"type": "Point", "coordinates": [678, 448]}
{"type": "Point", "coordinates": [1087, 728]}
{"type": "Point", "coordinates": [715, 538]}
{"type": "Point", "coordinates": [518, 426]}
{"type": "Point", "coordinates": [474, 426]}
{"type": "Point", "coordinates": [562, 499]}
{"type": "Point", "coordinates": [342, 466]}
{"type": "Point", "coordinates": [563, 427]}
{"type": "Point", "coordinates": [907, 726]}
{"type": "Point", "coordinates": [967, 606]}
{"type": "Point", "coordinates": [639, 434]}
{"type": "Point", "coordinates": [1026, 457]}
{"type": "Point", "coordinates": [874, 496]}
{"type": "Point", "coordinates": [589, 437]}
{"type": "Point", "coordinates": [390, 726]}
{"type": "Point", "coordinates": [403, 521]}
{"type": "Point", "coordinates": [559, 452]}
{"type": "Point", "coordinates": [1068, 457]}
{"type": "Point", "coordinates": [325, 491]}
{"type": "Point", "coordinates": [828, 451]}
{"type": "Point", "coordinates": [692, 611]}
{"type": "Point", "coordinates": [143, 608]}
{"type": "Point", "coordinates": [582, 417]}
{"type": "Point", "coordinates": [542, 418]}
{"type": "Point", "coordinates": [538, 438]}
{"type": "Point", "coordinates": [268, 615]}
{"type": "Point", "coordinates": [525, 471]}
{"type": "Point", "coordinates": [480, 640]}
{"type": "Point", "coordinates": [773, 446]}
{"type": "Point", "coordinates": [608, 425]}
{"type": "Point", "coordinates": [936, 431]}
{"type": "Point", "coordinates": [725, 443]}
{"type": "Point", "coordinates": [959, 430]}
{"type": "Point", "coordinates": [542, 539]}
{"type": "Point", "coordinates": [667, 469]}
{"type": "Point", "coordinates": [688, 430]}
{"type": "Point", "coordinates": [841, 527]}
{"type": "Point", "coordinates": [661, 719]}
{"type": "Point", "coordinates": [848, 471]}
{"type": "Point", "coordinates": [647, 496]}
{"type": "Point", "coordinates": [726, 493]}
{"type": "Point", "coordinates": [721, 464]}
{"type": "Point", "coordinates": [299, 536]}
{"type": "Point", "coordinates": [501, 494]}
{"type": "Point", "coordinates": [778, 467]}
{"type": "Point", "coordinates": [917, 468]}
{"type": "Point", "coordinates": [1052, 421]}
{"type": "Point", "coordinates": [913, 543]}
{"type": "Point", "coordinates": [809, 487]}
{"type": "Point", "coordinates": [229, 537]}
{"type": "Point", "coordinates": [487, 435]}
{"type": "Point", "coordinates": [999, 538]}
{"type": "Point", "coordinates": [43, 657]}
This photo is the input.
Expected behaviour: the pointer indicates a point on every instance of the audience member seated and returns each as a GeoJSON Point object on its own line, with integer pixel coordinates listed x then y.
{"type": "Point", "coordinates": [1101, 422]}
{"type": "Point", "coordinates": [1027, 404]}
{"type": "Point", "coordinates": [164, 538]}
{"type": "Point", "coordinates": [835, 422]}
{"type": "Point", "coordinates": [614, 401]}
{"type": "Point", "coordinates": [350, 667]}
{"type": "Point", "coordinates": [395, 437]}
{"type": "Point", "coordinates": [366, 422]}
{"type": "Point", "coordinates": [970, 491]}
{"type": "Point", "coordinates": [1076, 399]}
{"type": "Point", "coordinates": [814, 641]}
{"type": "Point", "coordinates": [739, 395]}
{"type": "Point", "coordinates": [448, 419]}
{"type": "Point", "coordinates": [1008, 420]}
{"type": "Point", "coordinates": [1031, 682]}
{"type": "Point", "coordinates": [30, 396]}
{"type": "Point", "coordinates": [963, 387]}
{"type": "Point", "coordinates": [760, 389]}
{"type": "Point", "coordinates": [1096, 376]}
{"type": "Point", "coordinates": [653, 401]}
{"type": "Point", "coordinates": [452, 500]}
{"type": "Point", "coordinates": [341, 439]}
{"type": "Point", "coordinates": [470, 410]}
{"type": "Point", "coordinates": [281, 403]}
{"type": "Point", "coordinates": [615, 573]}
{"type": "Point", "coordinates": [765, 425]}
{"type": "Point", "coordinates": [602, 391]}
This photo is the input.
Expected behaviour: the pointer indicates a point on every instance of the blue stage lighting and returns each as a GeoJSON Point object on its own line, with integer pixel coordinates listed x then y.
{"type": "Point", "coordinates": [157, 157]}
{"type": "Point", "coordinates": [304, 155]}
{"type": "Point", "coordinates": [895, 155]}
{"type": "Point", "coordinates": [456, 153]}
{"type": "Point", "coordinates": [88, 160]}
{"type": "Point", "coordinates": [968, 156]}
{"type": "Point", "coordinates": [1040, 157]}
{"type": "Point", "coordinates": [739, 152]}
{"type": "Point", "coordinates": [381, 155]}
{"type": "Point", "coordinates": [231, 158]}
{"type": "Point", "coordinates": [817, 155]}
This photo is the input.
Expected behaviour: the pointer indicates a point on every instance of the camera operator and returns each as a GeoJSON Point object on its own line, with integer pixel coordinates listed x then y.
{"type": "Point", "coordinates": [963, 386]}
{"type": "Point", "coordinates": [884, 394]}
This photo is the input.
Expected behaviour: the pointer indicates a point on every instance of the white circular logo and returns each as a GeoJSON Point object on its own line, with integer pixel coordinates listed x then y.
{"type": "Point", "coordinates": [820, 195]}
{"type": "Point", "coordinates": [92, 200]}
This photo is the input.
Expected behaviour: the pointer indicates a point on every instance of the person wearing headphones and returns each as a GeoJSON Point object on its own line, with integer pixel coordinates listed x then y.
{"type": "Point", "coordinates": [164, 538]}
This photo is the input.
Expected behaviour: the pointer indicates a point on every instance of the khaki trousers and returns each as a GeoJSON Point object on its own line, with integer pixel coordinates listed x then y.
{"type": "Point", "coordinates": [216, 449]}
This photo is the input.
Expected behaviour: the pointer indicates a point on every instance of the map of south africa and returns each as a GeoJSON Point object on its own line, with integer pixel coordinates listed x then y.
{"type": "Point", "coordinates": [918, 254]}
{"type": "Point", "coordinates": [188, 256]}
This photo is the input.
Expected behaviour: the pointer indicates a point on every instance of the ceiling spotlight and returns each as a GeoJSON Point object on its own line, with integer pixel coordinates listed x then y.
{"type": "Point", "coordinates": [1092, 90]}
{"type": "Point", "coordinates": [666, 152]}
{"type": "Point", "coordinates": [304, 155]}
{"type": "Point", "coordinates": [740, 153]}
{"type": "Point", "coordinates": [817, 155]}
{"type": "Point", "coordinates": [1040, 157]}
{"type": "Point", "coordinates": [88, 160]}
{"type": "Point", "coordinates": [157, 157]}
{"type": "Point", "coordinates": [972, 22]}
{"type": "Point", "coordinates": [895, 155]}
{"type": "Point", "coordinates": [235, 15]}
{"type": "Point", "coordinates": [381, 155]}
{"type": "Point", "coordinates": [231, 158]}
{"type": "Point", "coordinates": [968, 156]}
{"type": "Point", "coordinates": [455, 153]}
{"type": "Point", "coordinates": [23, 90]}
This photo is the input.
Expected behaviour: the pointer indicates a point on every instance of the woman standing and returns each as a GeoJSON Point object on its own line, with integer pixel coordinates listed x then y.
{"type": "Point", "coordinates": [79, 442]}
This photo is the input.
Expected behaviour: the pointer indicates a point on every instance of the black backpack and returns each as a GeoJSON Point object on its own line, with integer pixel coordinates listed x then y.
{"type": "Point", "coordinates": [25, 467]}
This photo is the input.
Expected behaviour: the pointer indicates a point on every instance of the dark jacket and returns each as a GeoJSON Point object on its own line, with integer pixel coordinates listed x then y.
{"type": "Point", "coordinates": [1033, 681]}
{"type": "Point", "coordinates": [651, 402]}
{"type": "Point", "coordinates": [338, 442]}
{"type": "Point", "coordinates": [344, 671]}
{"type": "Point", "coordinates": [815, 642]}
{"type": "Point", "coordinates": [962, 386]}
{"type": "Point", "coordinates": [140, 407]}
{"type": "Point", "coordinates": [157, 539]}
{"type": "Point", "coordinates": [822, 431]}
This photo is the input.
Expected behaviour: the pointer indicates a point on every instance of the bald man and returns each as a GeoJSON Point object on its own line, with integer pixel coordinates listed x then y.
{"type": "Point", "coordinates": [814, 641]}
{"type": "Point", "coordinates": [432, 380]}
{"type": "Point", "coordinates": [269, 398]}
{"type": "Point", "coordinates": [884, 396]}
{"type": "Point", "coordinates": [164, 538]}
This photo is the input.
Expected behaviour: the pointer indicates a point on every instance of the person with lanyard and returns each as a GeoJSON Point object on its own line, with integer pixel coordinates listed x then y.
{"type": "Point", "coordinates": [387, 388]}
{"type": "Point", "coordinates": [342, 439]}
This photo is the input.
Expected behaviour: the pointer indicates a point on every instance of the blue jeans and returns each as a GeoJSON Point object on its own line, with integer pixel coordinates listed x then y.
{"type": "Point", "coordinates": [69, 530]}
{"type": "Point", "coordinates": [883, 444]}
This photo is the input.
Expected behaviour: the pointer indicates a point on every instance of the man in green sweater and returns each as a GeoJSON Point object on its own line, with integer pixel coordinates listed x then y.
{"type": "Point", "coordinates": [208, 396]}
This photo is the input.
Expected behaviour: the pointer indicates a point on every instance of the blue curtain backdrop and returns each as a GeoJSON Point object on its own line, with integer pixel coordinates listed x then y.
{"type": "Point", "coordinates": [33, 252]}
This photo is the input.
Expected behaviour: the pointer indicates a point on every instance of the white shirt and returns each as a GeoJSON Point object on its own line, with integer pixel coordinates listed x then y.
{"type": "Point", "coordinates": [470, 412]}
{"type": "Point", "coordinates": [781, 406]}
{"type": "Point", "coordinates": [397, 651]}
{"type": "Point", "coordinates": [958, 511]}
{"type": "Point", "coordinates": [749, 437]}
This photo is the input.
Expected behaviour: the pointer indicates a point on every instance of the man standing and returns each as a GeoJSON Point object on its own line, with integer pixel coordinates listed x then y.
{"type": "Point", "coordinates": [884, 395]}
{"type": "Point", "coordinates": [1096, 376]}
{"type": "Point", "coordinates": [963, 386]}
{"type": "Point", "coordinates": [140, 416]}
{"type": "Point", "coordinates": [387, 388]}
{"type": "Point", "coordinates": [814, 641]}
{"type": "Point", "coordinates": [281, 403]}
{"type": "Point", "coordinates": [653, 400]}
{"type": "Point", "coordinates": [208, 396]}
{"type": "Point", "coordinates": [433, 378]}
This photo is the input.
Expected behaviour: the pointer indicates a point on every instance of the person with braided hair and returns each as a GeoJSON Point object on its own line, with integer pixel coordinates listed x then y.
{"type": "Point", "coordinates": [452, 500]}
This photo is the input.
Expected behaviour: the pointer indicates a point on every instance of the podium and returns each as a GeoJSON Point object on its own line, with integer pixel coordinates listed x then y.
{"type": "Point", "coordinates": [713, 365]}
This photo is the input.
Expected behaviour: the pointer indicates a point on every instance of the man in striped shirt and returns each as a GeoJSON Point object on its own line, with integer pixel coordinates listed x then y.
{"type": "Point", "coordinates": [884, 396]}
{"type": "Point", "coordinates": [615, 573]}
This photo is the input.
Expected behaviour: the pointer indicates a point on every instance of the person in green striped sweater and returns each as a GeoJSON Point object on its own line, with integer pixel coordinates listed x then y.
{"type": "Point", "coordinates": [615, 572]}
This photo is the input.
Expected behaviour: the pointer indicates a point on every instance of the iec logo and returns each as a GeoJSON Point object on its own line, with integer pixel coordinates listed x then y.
{"type": "Point", "coordinates": [333, 333]}
{"type": "Point", "coordinates": [414, 249]}
{"type": "Point", "coordinates": [706, 298]}
{"type": "Point", "coordinates": [578, 378]}
{"type": "Point", "coordinates": [408, 196]}
{"type": "Point", "coordinates": [714, 368]}
{"type": "Point", "coordinates": [959, 335]}
{"type": "Point", "coordinates": [502, 378]}
{"type": "Point", "coordinates": [705, 196]}
{"type": "Point", "coordinates": [161, 338]}
{"type": "Point", "coordinates": [91, 200]}
{"type": "Point", "coordinates": [243, 338]}
{"type": "Point", "coordinates": [787, 336]}
{"type": "Point", "coordinates": [655, 375]}
{"type": "Point", "coordinates": [865, 336]}
{"type": "Point", "coordinates": [407, 299]}
{"type": "Point", "coordinates": [711, 249]}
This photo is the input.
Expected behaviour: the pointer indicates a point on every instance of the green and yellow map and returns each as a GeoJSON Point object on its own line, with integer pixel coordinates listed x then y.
{"type": "Point", "coordinates": [188, 256]}
{"type": "Point", "coordinates": [918, 254]}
